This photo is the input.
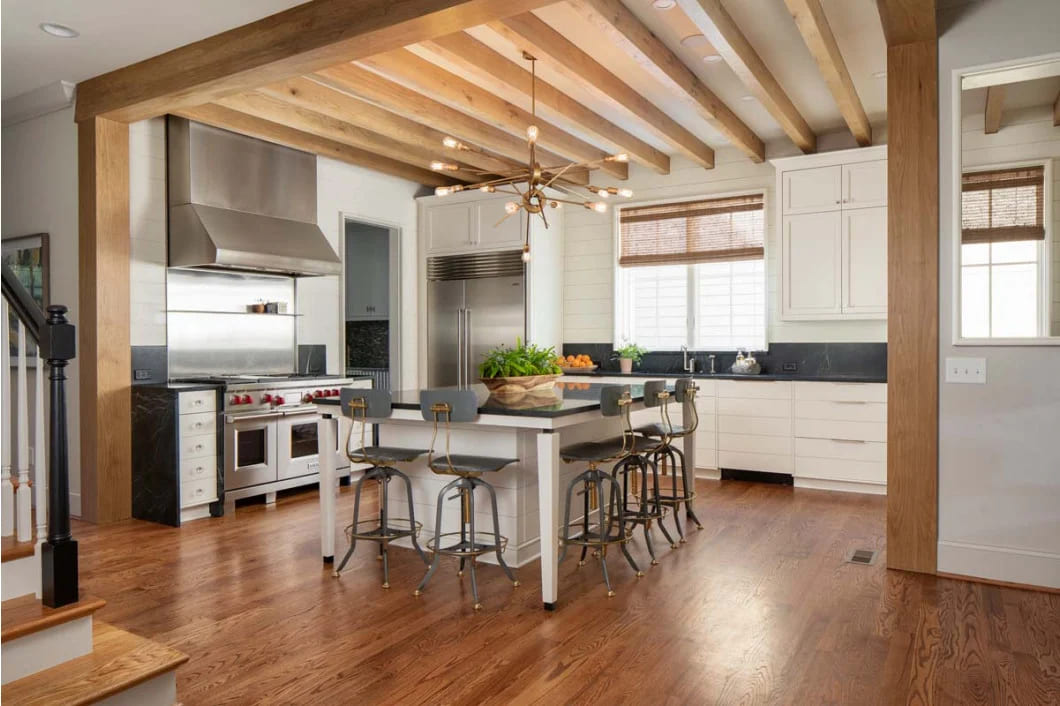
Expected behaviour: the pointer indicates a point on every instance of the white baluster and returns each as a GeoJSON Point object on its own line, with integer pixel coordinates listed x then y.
{"type": "Point", "coordinates": [40, 465]}
{"type": "Point", "coordinates": [7, 493]}
{"type": "Point", "coordinates": [23, 496]}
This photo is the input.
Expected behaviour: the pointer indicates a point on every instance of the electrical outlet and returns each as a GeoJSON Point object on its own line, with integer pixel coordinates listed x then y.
{"type": "Point", "coordinates": [966, 370]}
{"type": "Point", "coordinates": [141, 374]}
{"type": "Point", "coordinates": [790, 367]}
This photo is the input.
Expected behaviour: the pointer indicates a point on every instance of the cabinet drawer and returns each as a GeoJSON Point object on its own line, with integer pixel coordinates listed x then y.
{"type": "Point", "coordinates": [706, 392]}
{"type": "Point", "coordinates": [835, 469]}
{"type": "Point", "coordinates": [828, 429]}
{"type": "Point", "coordinates": [764, 426]}
{"type": "Point", "coordinates": [747, 461]}
{"type": "Point", "coordinates": [755, 389]}
{"type": "Point", "coordinates": [197, 492]}
{"type": "Point", "coordinates": [753, 408]}
{"type": "Point", "coordinates": [197, 446]}
{"type": "Point", "coordinates": [707, 424]}
{"type": "Point", "coordinates": [198, 468]}
{"type": "Point", "coordinates": [842, 391]}
{"type": "Point", "coordinates": [754, 443]}
{"type": "Point", "coordinates": [840, 449]}
{"type": "Point", "coordinates": [202, 401]}
{"type": "Point", "coordinates": [706, 458]}
{"type": "Point", "coordinates": [198, 423]}
{"type": "Point", "coordinates": [841, 411]}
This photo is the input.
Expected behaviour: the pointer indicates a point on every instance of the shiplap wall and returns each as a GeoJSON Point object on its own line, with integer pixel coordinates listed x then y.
{"type": "Point", "coordinates": [147, 231]}
{"type": "Point", "coordinates": [588, 306]}
{"type": "Point", "coordinates": [1025, 135]}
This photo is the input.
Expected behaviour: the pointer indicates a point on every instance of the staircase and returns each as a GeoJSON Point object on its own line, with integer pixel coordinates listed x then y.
{"type": "Point", "coordinates": [52, 649]}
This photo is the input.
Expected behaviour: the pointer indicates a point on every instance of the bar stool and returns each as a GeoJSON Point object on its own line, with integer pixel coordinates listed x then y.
{"type": "Point", "coordinates": [683, 488]}
{"type": "Point", "coordinates": [611, 524]}
{"type": "Point", "coordinates": [639, 473]}
{"type": "Point", "coordinates": [360, 405]}
{"type": "Point", "coordinates": [445, 407]}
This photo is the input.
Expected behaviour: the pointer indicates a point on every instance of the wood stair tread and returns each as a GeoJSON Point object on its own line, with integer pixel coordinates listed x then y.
{"type": "Point", "coordinates": [26, 614]}
{"type": "Point", "coordinates": [119, 661]}
{"type": "Point", "coordinates": [11, 548]}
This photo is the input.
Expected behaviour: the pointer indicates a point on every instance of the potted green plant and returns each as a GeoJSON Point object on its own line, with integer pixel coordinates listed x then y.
{"type": "Point", "coordinates": [628, 355]}
{"type": "Point", "coordinates": [519, 370]}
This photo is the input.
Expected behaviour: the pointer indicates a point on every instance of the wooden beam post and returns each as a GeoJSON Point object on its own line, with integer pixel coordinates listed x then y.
{"type": "Point", "coordinates": [995, 104]}
{"type": "Point", "coordinates": [103, 325]}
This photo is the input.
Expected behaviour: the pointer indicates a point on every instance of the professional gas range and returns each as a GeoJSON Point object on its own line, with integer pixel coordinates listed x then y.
{"type": "Point", "coordinates": [270, 431]}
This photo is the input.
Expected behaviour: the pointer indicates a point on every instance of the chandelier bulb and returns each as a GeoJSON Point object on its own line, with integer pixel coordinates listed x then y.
{"type": "Point", "coordinates": [531, 133]}
{"type": "Point", "coordinates": [511, 207]}
{"type": "Point", "coordinates": [555, 204]}
{"type": "Point", "coordinates": [487, 188]}
{"type": "Point", "coordinates": [442, 191]}
{"type": "Point", "coordinates": [451, 142]}
{"type": "Point", "coordinates": [526, 253]}
{"type": "Point", "coordinates": [625, 193]}
{"type": "Point", "coordinates": [620, 157]}
{"type": "Point", "coordinates": [598, 206]}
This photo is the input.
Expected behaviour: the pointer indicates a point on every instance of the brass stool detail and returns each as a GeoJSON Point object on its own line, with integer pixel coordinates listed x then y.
{"type": "Point", "coordinates": [610, 526]}
{"type": "Point", "coordinates": [682, 484]}
{"type": "Point", "coordinates": [361, 405]}
{"type": "Point", "coordinates": [444, 407]}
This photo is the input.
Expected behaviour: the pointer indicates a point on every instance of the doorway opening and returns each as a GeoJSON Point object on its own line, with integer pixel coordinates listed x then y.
{"type": "Point", "coordinates": [372, 288]}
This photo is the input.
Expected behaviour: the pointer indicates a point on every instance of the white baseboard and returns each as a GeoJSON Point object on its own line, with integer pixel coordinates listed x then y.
{"type": "Point", "coordinates": [20, 576]}
{"type": "Point", "coordinates": [708, 474]}
{"type": "Point", "coordinates": [1000, 563]}
{"type": "Point", "coordinates": [46, 648]}
{"type": "Point", "coordinates": [841, 486]}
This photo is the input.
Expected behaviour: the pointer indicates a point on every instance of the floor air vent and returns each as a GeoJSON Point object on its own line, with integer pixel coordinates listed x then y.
{"type": "Point", "coordinates": [862, 556]}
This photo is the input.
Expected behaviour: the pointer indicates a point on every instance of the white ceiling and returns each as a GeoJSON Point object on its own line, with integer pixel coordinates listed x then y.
{"type": "Point", "coordinates": [114, 33]}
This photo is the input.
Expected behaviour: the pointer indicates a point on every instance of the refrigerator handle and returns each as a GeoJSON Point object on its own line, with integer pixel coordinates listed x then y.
{"type": "Point", "coordinates": [468, 376]}
{"type": "Point", "coordinates": [459, 347]}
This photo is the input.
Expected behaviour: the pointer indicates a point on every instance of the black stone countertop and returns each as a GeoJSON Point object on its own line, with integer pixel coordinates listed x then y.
{"type": "Point", "coordinates": [564, 399]}
{"type": "Point", "coordinates": [837, 377]}
{"type": "Point", "coordinates": [181, 386]}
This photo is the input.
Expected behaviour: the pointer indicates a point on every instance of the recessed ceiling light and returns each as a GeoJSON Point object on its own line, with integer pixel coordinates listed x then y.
{"type": "Point", "coordinates": [712, 58]}
{"type": "Point", "coordinates": [694, 41]}
{"type": "Point", "coordinates": [663, 4]}
{"type": "Point", "coordinates": [57, 30]}
{"type": "Point", "coordinates": [747, 98]}
{"type": "Point", "coordinates": [880, 74]}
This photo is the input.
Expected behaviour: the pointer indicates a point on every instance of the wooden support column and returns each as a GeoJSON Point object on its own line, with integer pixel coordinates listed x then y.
{"type": "Point", "coordinates": [913, 304]}
{"type": "Point", "coordinates": [103, 325]}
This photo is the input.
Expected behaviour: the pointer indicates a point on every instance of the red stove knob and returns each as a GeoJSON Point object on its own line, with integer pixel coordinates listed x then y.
{"type": "Point", "coordinates": [335, 393]}
{"type": "Point", "coordinates": [236, 399]}
{"type": "Point", "coordinates": [318, 393]}
{"type": "Point", "coordinates": [307, 397]}
{"type": "Point", "coordinates": [247, 399]}
{"type": "Point", "coordinates": [277, 399]}
{"type": "Point", "coordinates": [266, 397]}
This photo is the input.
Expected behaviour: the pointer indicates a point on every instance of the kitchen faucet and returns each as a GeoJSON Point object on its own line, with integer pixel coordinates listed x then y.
{"type": "Point", "coordinates": [712, 356]}
{"type": "Point", "coordinates": [689, 366]}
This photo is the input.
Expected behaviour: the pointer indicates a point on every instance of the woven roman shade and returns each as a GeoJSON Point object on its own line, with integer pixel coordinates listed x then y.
{"type": "Point", "coordinates": [1002, 205]}
{"type": "Point", "coordinates": [693, 231]}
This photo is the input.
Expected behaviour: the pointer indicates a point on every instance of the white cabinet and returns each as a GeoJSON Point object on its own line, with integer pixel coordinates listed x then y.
{"type": "Point", "coordinates": [833, 235]}
{"type": "Point", "coordinates": [367, 274]}
{"type": "Point", "coordinates": [449, 227]}
{"type": "Point", "coordinates": [754, 425]}
{"type": "Point", "coordinates": [197, 444]}
{"type": "Point", "coordinates": [496, 228]}
{"type": "Point", "coordinates": [467, 225]}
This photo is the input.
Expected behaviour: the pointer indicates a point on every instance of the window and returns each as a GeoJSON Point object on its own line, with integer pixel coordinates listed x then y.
{"type": "Point", "coordinates": [693, 273]}
{"type": "Point", "coordinates": [1002, 244]}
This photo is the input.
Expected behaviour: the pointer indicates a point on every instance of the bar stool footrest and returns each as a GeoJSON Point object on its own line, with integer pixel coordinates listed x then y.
{"type": "Point", "coordinates": [463, 548]}
{"type": "Point", "coordinates": [370, 530]}
{"type": "Point", "coordinates": [594, 539]}
{"type": "Point", "coordinates": [673, 499]}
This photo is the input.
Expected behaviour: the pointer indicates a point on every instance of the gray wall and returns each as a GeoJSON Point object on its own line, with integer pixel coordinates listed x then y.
{"type": "Point", "coordinates": [999, 443]}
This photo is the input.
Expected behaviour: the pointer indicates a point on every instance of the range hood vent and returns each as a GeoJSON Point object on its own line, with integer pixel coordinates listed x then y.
{"type": "Point", "coordinates": [237, 203]}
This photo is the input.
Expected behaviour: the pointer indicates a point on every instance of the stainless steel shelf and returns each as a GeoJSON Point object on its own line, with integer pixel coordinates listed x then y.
{"type": "Point", "coordinates": [233, 313]}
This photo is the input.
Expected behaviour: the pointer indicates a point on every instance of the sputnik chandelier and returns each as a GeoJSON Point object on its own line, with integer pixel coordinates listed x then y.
{"type": "Point", "coordinates": [536, 178]}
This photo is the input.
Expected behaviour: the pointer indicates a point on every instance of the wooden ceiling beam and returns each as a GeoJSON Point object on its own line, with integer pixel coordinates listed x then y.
{"type": "Point", "coordinates": [906, 21]}
{"type": "Point", "coordinates": [817, 34]}
{"type": "Point", "coordinates": [309, 94]}
{"type": "Point", "coordinates": [228, 119]}
{"type": "Point", "coordinates": [529, 33]}
{"type": "Point", "coordinates": [396, 98]}
{"type": "Point", "coordinates": [995, 104]}
{"type": "Point", "coordinates": [729, 41]}
{"type": "Point", "coordinates": [494, 72]}
{"type": "Point", "coordinates": [297, 41]}
{"type": "Point", "coordinates": [421, 75]}
{"type": "Point", "coordinates": [314, 123]}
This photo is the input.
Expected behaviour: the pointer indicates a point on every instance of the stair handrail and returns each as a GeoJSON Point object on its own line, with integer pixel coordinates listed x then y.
{"type": "Point", "coordinates": [22, 303]}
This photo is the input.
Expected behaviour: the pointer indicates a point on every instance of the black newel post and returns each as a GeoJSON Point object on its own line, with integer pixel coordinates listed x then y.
{"type": "Point", "coordinates": [59, 552]}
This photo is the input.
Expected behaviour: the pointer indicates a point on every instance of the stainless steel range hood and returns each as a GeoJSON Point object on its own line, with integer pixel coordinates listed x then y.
{"type": "Point", "coordinates": [237, 203]}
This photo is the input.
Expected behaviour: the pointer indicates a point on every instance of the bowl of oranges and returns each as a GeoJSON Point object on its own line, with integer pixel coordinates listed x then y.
{"type": "Point", "coordinates": [580, 363]}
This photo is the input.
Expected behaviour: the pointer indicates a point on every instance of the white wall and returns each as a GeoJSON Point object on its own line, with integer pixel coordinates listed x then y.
{"type": "Point", "coordinates": [999, 455]}
{"type": "Point", "coordinates": [147, 229]}
{"type": "Point", "coordinates": [588, 307]}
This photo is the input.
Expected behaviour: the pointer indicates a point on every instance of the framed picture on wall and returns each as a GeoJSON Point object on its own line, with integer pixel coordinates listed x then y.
{"type": "Point", "coordinates": [28, 258]}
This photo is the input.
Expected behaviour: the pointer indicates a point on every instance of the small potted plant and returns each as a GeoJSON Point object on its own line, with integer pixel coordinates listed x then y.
{"type": "Point", "coordinates": [516, 371]}
{"type": "Point", "coordinates": [628, 355]}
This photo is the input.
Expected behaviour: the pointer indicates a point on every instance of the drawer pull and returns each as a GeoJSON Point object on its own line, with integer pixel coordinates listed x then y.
{"type": "Point", "coordinates": [848, 441]}
{"type": "Point", "coordinates": [198, 447]}
{"type": "Point", "coordinates": [849, 401]}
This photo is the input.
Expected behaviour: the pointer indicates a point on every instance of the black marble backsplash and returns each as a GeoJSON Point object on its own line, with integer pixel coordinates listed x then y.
{"type": "Point", "coordinates": [368, 344]}
{"type": "Point", "coordinates": [149, 365]}
{"type": "Point", "coordinates": [810, 359]}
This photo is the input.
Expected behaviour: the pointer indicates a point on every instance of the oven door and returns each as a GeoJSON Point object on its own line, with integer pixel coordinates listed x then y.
{"type": "Point", "coordinates": [298, 447]}
{"type": "Point", "coordinates": [250, 450]}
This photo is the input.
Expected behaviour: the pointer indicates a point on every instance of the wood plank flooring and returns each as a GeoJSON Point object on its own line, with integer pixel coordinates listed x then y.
{"type": "Point", "coordinates": [757, 608]}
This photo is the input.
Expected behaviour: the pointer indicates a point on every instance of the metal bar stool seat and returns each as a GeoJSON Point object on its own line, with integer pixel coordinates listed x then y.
{"type": "Point", "coordinates": [599, 489]}
{"type": "Point", "coordinates": [361, 405]}
{"type": "Point", "coordinates": [445, 407]}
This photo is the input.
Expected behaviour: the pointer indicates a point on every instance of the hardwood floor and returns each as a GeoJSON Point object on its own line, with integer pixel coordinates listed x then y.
{"type": "Point", "coordinates": [758, 607]}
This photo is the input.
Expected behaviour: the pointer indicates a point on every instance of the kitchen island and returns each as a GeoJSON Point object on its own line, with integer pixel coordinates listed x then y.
{"type": "Point", "coordinates": [529, 493]}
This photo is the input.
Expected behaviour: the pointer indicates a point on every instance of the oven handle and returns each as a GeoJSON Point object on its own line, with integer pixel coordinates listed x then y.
{"type": "Point", "coordinates": [300, 412]}
{"type": "Point", "coordinates": [231, 419]}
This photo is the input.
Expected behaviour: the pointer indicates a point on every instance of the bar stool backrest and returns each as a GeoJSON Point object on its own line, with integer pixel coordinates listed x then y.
{"type": "Point", "coordinates": [656, 395]}
{"type": "Point", "coordinates": [360, 405]}
{"type": "Point", "coordinates": [443, 407]}
{"type": "Point", "coordinates": [615, 401]}
{"type": "Point", "coordinates": [685, 392]}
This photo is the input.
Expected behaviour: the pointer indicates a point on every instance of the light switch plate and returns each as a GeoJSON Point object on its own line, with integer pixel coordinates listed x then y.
{"type": "Point", "coordinates": [966, 370]}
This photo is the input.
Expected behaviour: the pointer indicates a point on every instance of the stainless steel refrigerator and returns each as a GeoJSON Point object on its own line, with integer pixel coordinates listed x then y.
{"type": "Point", "coordinates": [474, 303]}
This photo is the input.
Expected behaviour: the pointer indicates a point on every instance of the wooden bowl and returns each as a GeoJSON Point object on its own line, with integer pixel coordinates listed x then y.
{"type": "Point", "coordinates": [517, 386]}
{"type": "Point", "coordinates": [576, 371]}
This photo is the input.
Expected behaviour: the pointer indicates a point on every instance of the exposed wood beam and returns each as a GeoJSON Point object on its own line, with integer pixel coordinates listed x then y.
{"type": "Point", "coordinates": [729, 41]}
{"type": "Point", "coordinates": [907, 21]}
{"type": "Point", "coordinates": [495, 73]}
{"type": "Point", "coordinates": [529, 33]}
{"type": "Point", "coordinates": [314, 123]}
{"type": "Point", "coordinates": [1056, 111]}
{"type": "Point", "coordinates": [995, 103]}
{"type": "Point", "coordinates": [396, 98]}
{"type": "Point", "coordinates": [418, 73]}
{"type": "Point", "coordinates": [311, 95]}
{"type": "Point", "coordinates": [233, 120]}
{"type": "Point", "coordinates": [103, 320]}
{"type": "Point", "coordinates": [817, 33]}
{"type": "Point", "coordinates": [297, 41]}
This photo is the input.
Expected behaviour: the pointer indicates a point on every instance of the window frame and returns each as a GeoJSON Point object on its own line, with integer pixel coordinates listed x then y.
{"type": "Point", "coordinates": [620, 309]}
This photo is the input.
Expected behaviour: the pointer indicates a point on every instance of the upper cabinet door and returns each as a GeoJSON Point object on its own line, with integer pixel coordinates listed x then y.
{"type": "Point", "coordinates": [812, 190]}
{"type": "Point", "coordinates": [865, 261]}
{"type": "Point", "coordinates": [450, 227]}
{"type": "Point", "coordinates": [496, 228]}
{"type": "Point", "coordinates": [812, 269]}
{"type": "Point", "coordinates": [865, 184]}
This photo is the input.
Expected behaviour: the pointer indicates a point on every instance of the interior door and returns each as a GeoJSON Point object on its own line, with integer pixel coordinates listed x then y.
{"type": "Point", "coordinates": [445, 304]}
{"type": "Point", "coordinates": [495, 315]}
